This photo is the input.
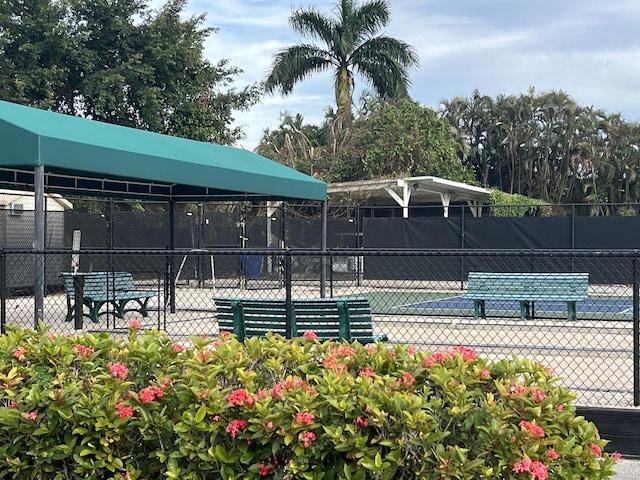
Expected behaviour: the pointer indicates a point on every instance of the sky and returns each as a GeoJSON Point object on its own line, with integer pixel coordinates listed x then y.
{"type": "Point", "coordinates": [590, 49]}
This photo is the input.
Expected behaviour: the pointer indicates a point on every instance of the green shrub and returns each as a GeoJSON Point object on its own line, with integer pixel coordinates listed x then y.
{"type": "Point", "coordinates": [143, 407]}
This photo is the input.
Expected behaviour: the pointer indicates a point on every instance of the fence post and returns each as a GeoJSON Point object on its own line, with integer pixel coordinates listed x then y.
{"type": "Point", "coordinates": [636, 332]}
{"type": "Point", "coordinates": [78, 288]}
{"type": "Point", "coordinates": [287, 290]}
{"type": "Point", "coordinates": [3, 292]}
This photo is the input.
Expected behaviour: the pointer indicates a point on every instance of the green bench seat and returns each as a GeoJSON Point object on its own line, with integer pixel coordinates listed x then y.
{"type": "Point", "coordinates": [107, 289]}
{"type": "Point", "coordinates": [346, 318]}
{"type": "Point", "coordinates": [526, 288]}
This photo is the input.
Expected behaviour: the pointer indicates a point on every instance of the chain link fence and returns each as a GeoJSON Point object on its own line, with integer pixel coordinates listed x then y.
{"type": "Point", "coordinates": [416, 296]}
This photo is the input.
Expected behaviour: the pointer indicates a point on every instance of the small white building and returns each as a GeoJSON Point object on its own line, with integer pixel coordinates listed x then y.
{"type": "Point", "coordinates": [16, 219]}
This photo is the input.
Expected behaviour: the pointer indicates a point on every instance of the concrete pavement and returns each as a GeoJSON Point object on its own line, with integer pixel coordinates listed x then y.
{"type": "Point", "coordinates": [628, 469]}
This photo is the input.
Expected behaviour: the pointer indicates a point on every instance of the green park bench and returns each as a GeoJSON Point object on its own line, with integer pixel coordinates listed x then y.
{"type": "Point", "coordinates": [347, 318]}
{"type": "Point", "coordinates": [526, 288]}
{"type": "Point", "coordinates": [110, 289]}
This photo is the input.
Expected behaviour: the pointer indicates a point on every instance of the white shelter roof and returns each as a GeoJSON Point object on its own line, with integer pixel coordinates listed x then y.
{"type": "Point", "coordinates": [425, 189]}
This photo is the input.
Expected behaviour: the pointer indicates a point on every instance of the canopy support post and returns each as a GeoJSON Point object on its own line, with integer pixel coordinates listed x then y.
{"type": "Point", "coordinates": [323, 248]}
{"type": "Point", "coordinates": [38, 245]}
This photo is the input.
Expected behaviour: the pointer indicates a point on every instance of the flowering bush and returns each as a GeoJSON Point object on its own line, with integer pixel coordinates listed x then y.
{"type": "Point", "coordinates": [143, 407]}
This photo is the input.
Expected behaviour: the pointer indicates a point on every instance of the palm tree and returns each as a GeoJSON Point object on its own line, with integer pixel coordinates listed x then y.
{"type": "Point", "coordinates": [349, 44]}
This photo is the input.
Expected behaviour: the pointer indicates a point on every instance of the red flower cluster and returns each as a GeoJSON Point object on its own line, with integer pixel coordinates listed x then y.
{"type": "Point", "coordinates": [309, 334]}
{"type": "Point", "coordinates": [178, 347]}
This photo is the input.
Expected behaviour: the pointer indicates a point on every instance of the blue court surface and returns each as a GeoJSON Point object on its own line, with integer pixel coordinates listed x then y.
{"type": "Point", "coordinates": [593, 307]}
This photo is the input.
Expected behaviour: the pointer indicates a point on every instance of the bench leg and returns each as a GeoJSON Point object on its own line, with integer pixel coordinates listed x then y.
{"type": "Point", "coordinates": [478, 309]}
{"type": "Point", "coordinates": [525, 310]}
{"type": "Point", "coordinates": [571, 310]}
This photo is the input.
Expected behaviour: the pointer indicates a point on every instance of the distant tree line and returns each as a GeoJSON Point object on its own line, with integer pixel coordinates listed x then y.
{"type": "Point", "coordinates": [546, 146]}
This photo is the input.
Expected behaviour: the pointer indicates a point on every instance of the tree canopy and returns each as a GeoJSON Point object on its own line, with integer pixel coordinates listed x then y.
{"type": "Point", "coordinates": [401, 138]}
{"type": "Point", "coordinates": [119, 62]}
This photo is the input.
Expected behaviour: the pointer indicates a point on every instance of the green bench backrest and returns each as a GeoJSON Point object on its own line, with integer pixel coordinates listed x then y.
{"type": "Point", "coordinates": [360, 318]}
{"type": "Point", "coordinates": [564, 286]}
{"type": "Point", "coordinates": [329, 318]}
{"type": "Point", "coordinates": [260, 316]}
{"type": "Point", "coordinates": [100, 283]}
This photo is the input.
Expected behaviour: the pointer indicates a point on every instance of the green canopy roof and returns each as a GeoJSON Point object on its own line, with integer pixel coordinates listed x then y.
{"type": "Point", "coordinates": [83, 156]}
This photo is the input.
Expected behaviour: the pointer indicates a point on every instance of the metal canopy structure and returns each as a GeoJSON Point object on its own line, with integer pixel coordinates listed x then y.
{"type": "Point", "coordinates": [47, 151]}
{"type": "Point", "coordinates": [421, 189]}
{"type": "Point", "coordinates": [85, 157]}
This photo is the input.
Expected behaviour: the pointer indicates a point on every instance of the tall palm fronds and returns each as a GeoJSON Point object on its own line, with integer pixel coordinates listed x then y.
{"type": "Point", "coordinates": [347, 44]}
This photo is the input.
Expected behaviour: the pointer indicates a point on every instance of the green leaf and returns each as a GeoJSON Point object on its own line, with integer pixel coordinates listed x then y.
{"type": "Point", "coordinates": [201, 413]}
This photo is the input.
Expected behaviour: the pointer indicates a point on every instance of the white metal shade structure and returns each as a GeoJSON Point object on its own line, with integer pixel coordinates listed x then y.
{"type": "Point", "coordinates": [425, 189]}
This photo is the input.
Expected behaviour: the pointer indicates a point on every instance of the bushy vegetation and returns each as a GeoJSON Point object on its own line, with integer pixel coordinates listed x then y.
{"type": "Point", "coordinates": [144, 407]}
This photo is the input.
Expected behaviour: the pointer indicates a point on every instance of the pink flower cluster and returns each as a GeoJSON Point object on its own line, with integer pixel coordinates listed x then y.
{"type": "Point", "coordinates": [407, 380]}
{"type": "Point", "coordinates": [367, 372]}
{"type": "Point", "coordinates": [307, 438]}
{"type": "Point", "coordinates": [84, 351]}
{"type": "Point", "coordinates": [338, 358]}
{"type": "Point", "coordinates": [440, 357]}
{"type": "Point", "coordinates": [178, 347]}
{"type": "Point", "coordinates": [290, 383]}
{"type": "Point", "coordinates": [235, 426]}
{"type": "Point", "coordinates": [535, 430]}
{"type": "Point", "coordinates": [537, 469]}
{"type": "Point", "coordinates": [31, 415]}
{"type": "Point", "coordinates": [149, 394]}
{"type": "Point", "coordinates": [19, 352]}
{"type": "Point", "coordinates": [123, 410]}
{"type": "Point", "coordinates": [118, 369]}
{"type": "Point", "coordinates": [596, 449]}
{"type": "Point", "coordinates": [305, 418]}
{"type": "Point", "coordinates": [309, 334]}
{"type": "Point", "coordinates": [361, 422]}
{"type": "Point", "coordinates": [135, 324]}
{"type": "Point", "coordinates": [241, 398]}
{"type": "Point", "coordinates": [536, 393]}
{"type": "Point", "coordinates": [552, 454]}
